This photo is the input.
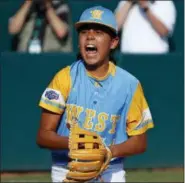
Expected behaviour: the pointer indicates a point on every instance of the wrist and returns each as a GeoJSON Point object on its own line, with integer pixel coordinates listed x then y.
{"type": "Point", "coordinates": [112, 149]}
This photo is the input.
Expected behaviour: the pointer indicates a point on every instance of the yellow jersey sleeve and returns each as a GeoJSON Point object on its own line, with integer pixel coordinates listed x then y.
{"type": "Point", "coordinates": [139, 118]}
{"type": "Point", "coordinates": [55, 95]}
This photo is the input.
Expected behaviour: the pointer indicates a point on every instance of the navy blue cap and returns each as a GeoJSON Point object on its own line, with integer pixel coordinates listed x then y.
{"type": "Point", "coordinates": [98, 15]}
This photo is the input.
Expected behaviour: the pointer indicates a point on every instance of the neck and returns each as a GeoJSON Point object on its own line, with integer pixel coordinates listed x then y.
{"type": "Point", "coordinates": [99, 70]}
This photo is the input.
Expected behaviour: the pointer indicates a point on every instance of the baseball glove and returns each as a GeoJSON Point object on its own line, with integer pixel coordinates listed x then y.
{"type": "Point", "coordinates": [89, 155]}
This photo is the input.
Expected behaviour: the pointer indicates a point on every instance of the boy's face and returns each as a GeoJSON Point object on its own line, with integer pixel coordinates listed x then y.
{"type": "Point", "coordinates": [95, 43]}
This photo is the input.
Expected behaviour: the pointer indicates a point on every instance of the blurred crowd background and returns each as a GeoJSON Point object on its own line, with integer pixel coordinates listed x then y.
{"type": "Point", "coordinates": [37, 38]}
{"type": "Point", "coordinates": [37, 26]}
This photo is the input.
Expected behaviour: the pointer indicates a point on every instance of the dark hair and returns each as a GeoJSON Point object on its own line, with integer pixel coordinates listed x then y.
{"type": "Point", "coordinates": [112, 57]}
{"type": "Point", "coordinates": [94, 25]}
{"type": "Point", "coordinates": [79, 56]}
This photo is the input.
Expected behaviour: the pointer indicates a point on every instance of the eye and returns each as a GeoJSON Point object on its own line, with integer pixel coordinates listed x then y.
{"type": "Point", "coordinates": [83, 31]}
{"type": "Point", "coordinates": [99, 32]}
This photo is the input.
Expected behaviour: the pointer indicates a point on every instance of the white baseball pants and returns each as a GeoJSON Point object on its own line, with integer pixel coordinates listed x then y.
{"type": "Point", "coordinates": [114, 173]}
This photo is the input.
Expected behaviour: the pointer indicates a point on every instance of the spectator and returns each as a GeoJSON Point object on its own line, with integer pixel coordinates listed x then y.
{"type": "Point", "coordinates": [42, 26]}
{"type": "Point", "coordinates": [146, 25]}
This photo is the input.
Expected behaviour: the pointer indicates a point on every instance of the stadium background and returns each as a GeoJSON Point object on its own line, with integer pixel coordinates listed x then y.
{"type": "Point", "coordinates": [24, 77]}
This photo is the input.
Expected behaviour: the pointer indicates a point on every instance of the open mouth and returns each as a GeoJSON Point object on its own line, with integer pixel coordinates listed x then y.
{"type": "Point", "coordinates": [91, 49]}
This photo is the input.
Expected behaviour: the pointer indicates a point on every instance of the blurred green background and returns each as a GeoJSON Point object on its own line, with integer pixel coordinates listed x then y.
{"type": "Point", "coordinates": [25, 76]}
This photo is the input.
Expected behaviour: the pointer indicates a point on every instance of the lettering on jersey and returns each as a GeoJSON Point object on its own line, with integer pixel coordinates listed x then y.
{"type": "Point", "coordinates": [72, 112]}
{"type": "Point", "coordinates": [102, 118]}
{"type": "Point", "coordinates": [90, 114]}
{"type": "Point", "coordinates": [114, 119]}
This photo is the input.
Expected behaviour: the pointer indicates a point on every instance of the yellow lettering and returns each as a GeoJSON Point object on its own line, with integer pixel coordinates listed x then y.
{"type": "Point", "coordinates": [73, 111]}
{"type": "Point", "coordinates": [68, 113]}
{"type": "Point", "coordinates": [79, 111]}
{"type": "Point", "coordinates": [114, 120]}
{"type": "Point", "coordinates": [100, 126]}
{"type": "Point", "coordinates": [90, 114]}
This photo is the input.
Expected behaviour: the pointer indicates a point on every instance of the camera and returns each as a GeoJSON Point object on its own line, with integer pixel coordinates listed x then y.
{"type": "Point", "coordinates": [38, 2]}
{"type": "Point", "coordinates": [39, 5]}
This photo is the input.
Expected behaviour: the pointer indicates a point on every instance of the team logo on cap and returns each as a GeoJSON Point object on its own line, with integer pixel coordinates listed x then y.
{"type": "Point", "coordinates": [97, 14]}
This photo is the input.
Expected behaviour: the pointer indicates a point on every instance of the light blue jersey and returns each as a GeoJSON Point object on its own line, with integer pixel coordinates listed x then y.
{"type": "Point", "coordinates": [113, 106]}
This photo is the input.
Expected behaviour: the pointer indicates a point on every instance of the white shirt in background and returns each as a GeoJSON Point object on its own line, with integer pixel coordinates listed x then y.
{"type": "Point", "coordinates": [138, 35]}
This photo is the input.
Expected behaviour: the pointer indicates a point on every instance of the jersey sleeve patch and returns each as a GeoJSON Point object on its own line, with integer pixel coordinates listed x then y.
{"type": "Point", "coordinates": [142, 126]}
{"type": "Point", "coordinates": [52, 100]}
{"type": "Point", "coordinates": [139, 118]}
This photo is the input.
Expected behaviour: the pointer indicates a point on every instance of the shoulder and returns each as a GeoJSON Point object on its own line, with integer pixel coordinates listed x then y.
{"type": "Point", "coordinates": [125, 83]}
{"type": "Point", "coordinates": [165, 4]}
{"type": "Point", "coordinates": [120, 5]}
{"type": "Point", "coordinates": [64, 71]}
{"type": "Point", "coordinates": [125, 80]}
{"type": "Point", "coordinates": [122, 74]}
{"type": "Point", "coordinates": [71, 70]}
{"type": "Point", "coordinates": [166, 12]}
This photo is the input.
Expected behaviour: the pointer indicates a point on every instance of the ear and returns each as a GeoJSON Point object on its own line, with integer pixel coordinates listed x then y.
{"type": "Point", "coordinates": [114, 42]}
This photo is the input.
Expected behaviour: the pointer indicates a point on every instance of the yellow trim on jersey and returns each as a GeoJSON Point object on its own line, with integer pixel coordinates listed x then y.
{"type": "Point", "coordinates": [51, 108]}
{"type": "Point", "coordinates": [139, 118]}
{"type": "Point", "coordinates": [111, 70]}
{"type": "Point", "coordinates": [61, 83]}
{"type": "Point", "coordinates": [142, 130]}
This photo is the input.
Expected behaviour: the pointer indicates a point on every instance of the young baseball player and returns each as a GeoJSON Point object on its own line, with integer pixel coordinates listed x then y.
{"type": "Point", "coordinates": [104, 98]}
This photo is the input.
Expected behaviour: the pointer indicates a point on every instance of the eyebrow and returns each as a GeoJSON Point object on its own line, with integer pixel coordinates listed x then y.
{"type": "Point", "coordinates": [97, 27]}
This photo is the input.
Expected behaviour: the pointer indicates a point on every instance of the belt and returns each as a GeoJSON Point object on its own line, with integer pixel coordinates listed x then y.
{"type": "Point", "coordinates": [116, 161]}
{"type": "Point", "coordinates": [64, 163]}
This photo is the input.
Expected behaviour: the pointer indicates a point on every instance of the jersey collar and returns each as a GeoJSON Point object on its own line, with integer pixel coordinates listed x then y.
{"type": "Point", "coordinates": [111, 71]}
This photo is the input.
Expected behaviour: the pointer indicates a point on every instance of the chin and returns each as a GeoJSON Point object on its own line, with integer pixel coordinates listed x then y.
{"type": "Point", "coordinates": [91, 62]}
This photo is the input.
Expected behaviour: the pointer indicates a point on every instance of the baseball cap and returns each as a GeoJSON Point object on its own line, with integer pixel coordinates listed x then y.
{"type": "Point", "coordinates": [98, 15]}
